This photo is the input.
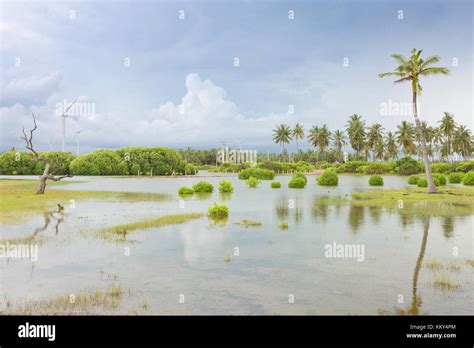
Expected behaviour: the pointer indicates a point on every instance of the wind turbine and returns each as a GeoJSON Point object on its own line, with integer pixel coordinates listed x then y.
{"type": "Point", "coordinates": [77, 140]}
{"type": "Point", "coordinates": [63, 124]}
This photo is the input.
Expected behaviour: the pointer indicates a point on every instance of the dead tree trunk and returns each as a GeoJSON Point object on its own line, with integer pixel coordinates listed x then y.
{"type": "Point", "coordinates": [47, 165]}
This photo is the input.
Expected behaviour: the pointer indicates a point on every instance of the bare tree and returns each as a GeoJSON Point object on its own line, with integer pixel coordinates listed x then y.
{"type": "Point", "coordinates": [39, 157]}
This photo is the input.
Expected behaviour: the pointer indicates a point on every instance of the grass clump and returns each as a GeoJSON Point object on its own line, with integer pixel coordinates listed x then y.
{"type": "Point", "coordinates": [252, 181]}
{"type": "Point", "coordinates": [203, 187]}
{"type": "Point", "coordinates": [413, 179]}
{"type": "Point", "coordinates": [433, 265]}
{"type": "Point", "coordinates": [218, 212]}
{"type": "Point", "coordinates": [455, 177]}
{"type": "Point", "coordinates": [376, 180]}
{"type": "Point", "coordinates": [445, 283]}
{"type": "Point", "coordinates": [283, 225]}
{"type": "Point", "coordinates": [275, 184]}
{"type": "Point", "coordinates": [251, 223]}
{"type": "Point", "coordinates": [298, 180]}
{"type": "Point", "coordinates": [161, 221]}
{"type": "Point", "coordinates": [328, 178]}
{"type": "Point", "coordinates": [185, 190]}
{"type": "Point", "coordinates": [259, 173]}
{"type": "Point", "coordinates": [226, 187]}
{"type": "Point", "coordinates": [468, 179]}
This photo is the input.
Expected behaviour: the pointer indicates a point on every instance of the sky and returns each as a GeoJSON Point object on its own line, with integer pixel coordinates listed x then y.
{"type": "Point", "coordinates": [200, 73]}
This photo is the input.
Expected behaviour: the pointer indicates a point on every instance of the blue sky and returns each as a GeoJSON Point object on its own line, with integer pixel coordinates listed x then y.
{"type": "Point", "coordinates": [181, 87]}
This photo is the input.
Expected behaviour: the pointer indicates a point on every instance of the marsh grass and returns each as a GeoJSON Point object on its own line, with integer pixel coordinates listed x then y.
{"type": "Point", "coordinates": [283, 226]}
{"type": "Point", "coordinates": [251, 223]}
{"type": "Point", "coordinates": [445, 283]}
{"type": "Point", "coordinates": [18, 199]}
{"type": "Point", "coordinates": [121, 231]}
{"type": "Point", "coordinates": [433, 265]}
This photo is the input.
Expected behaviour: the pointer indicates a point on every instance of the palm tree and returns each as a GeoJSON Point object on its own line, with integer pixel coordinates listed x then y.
{"type": "Point", "coordinates": [430, 135]}
{"type": "Point", "coordinates": [379, 149]}
{"type": "Point", "coordinates": [412, 69]}
{"type": "Point", "coordinates": [319, 137]}
{"type": "Point", "coordinates": [282, 135]}
{"type": "Point", "coordinates": [447, 127]}
{"type": "Point", "coordinates": [339, 142]}
{"type": "Point", "coordinates": [297, 133]}
{"type": "Point", "coordinates": [355, 129]}
{"type": "Point", "coordinates": [406, 137]}
{"type": "Point", "coordinates": [374, 135]}
{"type": "Point", "coordinates": [463, 141]}
{"type": "Point", "coordinates": [390, 146]}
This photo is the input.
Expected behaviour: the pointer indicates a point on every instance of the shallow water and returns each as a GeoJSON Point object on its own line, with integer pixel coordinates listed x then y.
{"type": "Point", "coordinates": [275, 272]}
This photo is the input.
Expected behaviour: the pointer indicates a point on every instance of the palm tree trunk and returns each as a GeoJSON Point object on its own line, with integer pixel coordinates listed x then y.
{"type": "Point", "coordinates": [421, 134]}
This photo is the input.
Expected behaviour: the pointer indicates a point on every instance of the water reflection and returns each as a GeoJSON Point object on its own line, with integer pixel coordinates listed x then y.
{"type": "Point", "coordinates": [356, 217]}
{"type": "Point", "coordinates": [448, 227]}
{"type": "Point", "coordinates": [375, 214]}
{"type": "Point", "coordinates": [320, 208]}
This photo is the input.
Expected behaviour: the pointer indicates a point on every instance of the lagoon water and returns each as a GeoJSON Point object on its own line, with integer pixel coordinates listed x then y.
{"type": "Point", "coordinates": [270, 271]}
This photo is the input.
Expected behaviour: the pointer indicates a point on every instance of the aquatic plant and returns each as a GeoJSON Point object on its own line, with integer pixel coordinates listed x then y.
{"type": "Point", "coordinates": [203, 186]}
{"type": "Point", "coordinates": [226, 186]}
{"type": "Point", "coordinates": [217, 212]}
{"type": "Point", "coordinates": [328, 178]}
{"type": "Point", "coordinates": [376, 180]}
{"type": "Point", "coordinates": [259, 173]}
{"type": "Point", "coordinates": [275, 184]}
{"type": "Point", "coordinates": [185, 190]}
{"type": "Point", "coordinates": [252, 181]}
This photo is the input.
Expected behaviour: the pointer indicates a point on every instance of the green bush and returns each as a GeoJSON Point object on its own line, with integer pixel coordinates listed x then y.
{"type": "Point", "coordinates": [351, 166]}
{"type": "Point", "coordinates": [25, 163]}
{"type": "Point", "coordinates": [408, 166]}
{"type": "Point", "coordinates": [185, 190]}
{"type": "Point", "coordinates": [413, 179]}
{"type": "Point", "coordinates": [441, 168]}
{"type": "Point", "coordinates": [422, 182]}
{"type": "Point", "coordinates": [259, 173]}
{"type": "Point", "coordinates": [304, 167]}
{"type": "Point", "coordinates": [153, 160]}
{"type": "Point", "coordinates": [225, 186]}
{"type": "Point", "coordinates": [100, 162]}
{"type": "Point", "coordinates": [275, 184]}
{"type": "Point", "coordinates": [298, 180]}
{"type": "Point", "coordinates": [328, 178]}
{"type": "Point", "coordinates": [379, 168]}
{"type": "Point", "coordinates": [275, 166]}
{"type": "Point", "coordinates": [468, 179]}
{"type": "Point", "coordinates": [455, 178]}
{"type": "Point", "coordinates": [252, 181]}
{"type": "Point", "coordinates": [376, 180]}
{"type": "Point", "coordinates": [203, 186]}
{"type": "Point", "coordinates": [218, 212]}
{"type": "Point", "coordinates": [439, 179]}
{"type": "Point", "coordinates": [465, 166]}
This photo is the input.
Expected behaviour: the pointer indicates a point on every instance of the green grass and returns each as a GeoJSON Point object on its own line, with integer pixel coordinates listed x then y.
{"type": "Point", "coordinates": [251, 223]}
{"type": "Point", "coordinates": [448, 202]}
{"type": "Point", "coordinates": [122, 230]}
{"type": "Point", "coordinates": [18, 200]}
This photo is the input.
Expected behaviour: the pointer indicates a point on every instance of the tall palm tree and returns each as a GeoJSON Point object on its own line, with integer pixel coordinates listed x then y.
{"type": "Point", "coordinates": [412, 69]}
{"type": "Point", "coordinates": [282, 135]}
{"type": "Point", "coordinates": [406, 137]}
{"type": "Point", "coordinates": [298, 133]}
{"type": "Point", "coordinates": [374, 135]}
{"type": "Point", "coordinates": [319, 137]}
{"type": "Point", "coordinates": [390, 146]}
{"type": "Point", "coordinates": [463, 142]}
{"type": "Point", "coordinates": [447, 127]}
{"type": "Point", "coordinates": [379, 149]}
{"type": "Point", "coordinates": [355, 129]}
{"type": "Point", "coordinates": [339, 140]}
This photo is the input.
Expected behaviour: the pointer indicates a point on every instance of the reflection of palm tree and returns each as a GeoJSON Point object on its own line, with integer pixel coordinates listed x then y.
{"type": "Point", "coordinates": [356, 217]}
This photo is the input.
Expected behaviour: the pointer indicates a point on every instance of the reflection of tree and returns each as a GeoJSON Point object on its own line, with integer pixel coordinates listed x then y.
{"type": "Point", "coordinates": [375, 213]}
{"type": "Point", "coordinates": [416, 301]}
{"type": "Point", "coordinates": [356, 217]}
{"type": "Point", "coordinates": [282, 208]}
{"type": "Point", "coordinates": [406, 219]}
{"type": "Point", "coordinates": [448, 226]}
{"type": "Point", "coordinates": [320, 208]}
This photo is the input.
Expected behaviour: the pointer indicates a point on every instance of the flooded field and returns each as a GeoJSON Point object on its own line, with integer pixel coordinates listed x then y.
{"type": "Point", "coordinates": [412, 263]}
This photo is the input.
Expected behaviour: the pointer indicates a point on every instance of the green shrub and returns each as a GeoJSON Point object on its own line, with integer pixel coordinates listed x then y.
{"type": "Point", "coordinates": [441, 168]}
{"type": "Point", "coordinates": [439, 179]}
{"type": "Point", "coordinates": [25, 163]}
{"type": "Point", "coordinates": [203, 186]}
{"type": "Point", "coordinates": [465, 166]}
{"type": "Point", "coordinates": [304, 167]}
{"type": "Point", "coordinates": [408, 166]}
{"type": "Point", "coordinates": [259, 173]}
{"type": "Point", "coordinates": [252, 181]}
{"type": "Point", "coordinates": [379, 168]}
{"type": "Point", "coordinates": [413, 179]}
{"type": "Point", "coordinates": [218, 212]}
{"type": "Point", "coordinates": [422, 182]}
{"type": "Point", "coordinates": [275, 166]}
{"type": "Point", "coordinates": [468, 179]}
{"type": "Point", "coordinates": [100, 162]}
{"type": "Point", "coordinates": [328, 178]}
{"type": "Point", "coordinates": [376, 180]}
{"type": "Point", "coordinates": [275, 184]}
{"type": "Point", "coordinates": [351, 166]}
{"type": "Point", "coordinates": [298, 180]}
{"type": "Point", "coordinates": [455, 178]}
{"type": "Point", "coordinates": [225, 186]}
{"type": "Point", "coordinates": [185, 190]}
